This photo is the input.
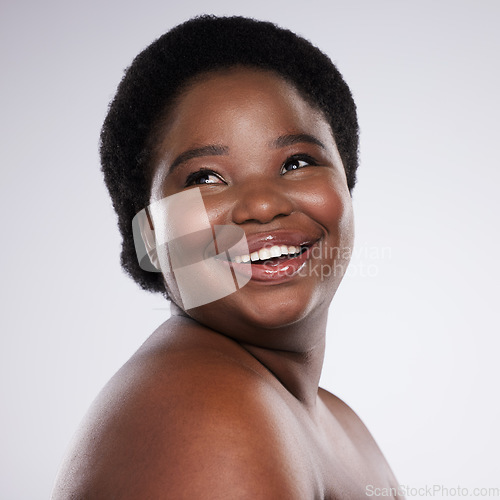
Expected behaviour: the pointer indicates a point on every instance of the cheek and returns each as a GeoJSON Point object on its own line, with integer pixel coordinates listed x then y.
{"type": "Point", "coordinates": [330, 204]}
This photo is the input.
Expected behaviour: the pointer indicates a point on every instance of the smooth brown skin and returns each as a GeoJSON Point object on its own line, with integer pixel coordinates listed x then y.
{"type": "Point", "coordinates": [222, 401]}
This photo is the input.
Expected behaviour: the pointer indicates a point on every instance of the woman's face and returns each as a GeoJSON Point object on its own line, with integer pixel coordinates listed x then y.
{"type": "Point", "coordinates": [265, 162]}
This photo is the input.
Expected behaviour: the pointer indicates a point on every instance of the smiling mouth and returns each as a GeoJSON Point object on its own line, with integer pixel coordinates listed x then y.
{"type": "Point", "coordinates": [272, 265]}
{"type": "Point", "coordinates": [271, 256]}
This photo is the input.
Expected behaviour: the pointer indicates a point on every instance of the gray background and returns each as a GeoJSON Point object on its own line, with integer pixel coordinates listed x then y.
{"type": "Point", "coordinates": [413, 336]}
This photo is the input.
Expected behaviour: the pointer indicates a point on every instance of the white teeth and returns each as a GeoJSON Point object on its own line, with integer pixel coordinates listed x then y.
{"type": "Point", "coordinates": [274, 251]}
{"type": "Point", "coordinates": [264, 254]}
{"type": "Point", "coordinates": [267, 253]}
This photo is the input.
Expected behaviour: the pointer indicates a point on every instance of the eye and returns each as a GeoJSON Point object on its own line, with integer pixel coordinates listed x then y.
{"type": "Point", "coordinates": [203, 176]}
{"type": "Point", "coordinates": [296, 162]}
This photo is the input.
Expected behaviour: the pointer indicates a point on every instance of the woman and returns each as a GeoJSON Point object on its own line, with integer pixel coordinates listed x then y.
{"type": "Point", "coordinates": [232, 145]}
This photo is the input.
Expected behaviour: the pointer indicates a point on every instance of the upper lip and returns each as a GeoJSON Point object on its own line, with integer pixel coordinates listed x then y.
{"type": "Point", "coordinates": [267, 239]}
{"type": "Point", "coordinates": [244, 243]}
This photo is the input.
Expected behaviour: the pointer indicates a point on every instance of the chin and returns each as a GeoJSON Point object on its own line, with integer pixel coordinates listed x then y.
{"type": "Point", "coordinates": [267, 316]}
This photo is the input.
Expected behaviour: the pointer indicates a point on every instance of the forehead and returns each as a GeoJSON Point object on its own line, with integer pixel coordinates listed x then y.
{"type": "Point", "coordinates": [226, 103]}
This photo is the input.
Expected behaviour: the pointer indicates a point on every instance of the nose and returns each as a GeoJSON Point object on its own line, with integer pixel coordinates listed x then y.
{"type": "Point", "coordinates": [261, 201]}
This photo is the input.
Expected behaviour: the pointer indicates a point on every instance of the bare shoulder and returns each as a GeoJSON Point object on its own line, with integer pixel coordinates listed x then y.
{"type": "Point", "coordinates": [185, 417]}
{"type": "Point", "coordinates": [345, 415]}
{"type": "Point", "coordinates": [358, 435]}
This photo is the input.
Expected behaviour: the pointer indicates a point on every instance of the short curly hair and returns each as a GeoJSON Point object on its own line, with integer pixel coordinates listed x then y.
{"type": "Point", "coordinates": [159, 74]}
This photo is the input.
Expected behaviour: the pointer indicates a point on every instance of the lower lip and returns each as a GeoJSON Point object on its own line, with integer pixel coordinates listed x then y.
{"type": "Point", "coordinates": [279, 272]}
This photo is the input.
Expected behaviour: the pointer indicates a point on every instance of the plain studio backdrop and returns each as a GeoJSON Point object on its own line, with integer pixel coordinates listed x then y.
{"type": "Point", "coordinates": [413, 332]}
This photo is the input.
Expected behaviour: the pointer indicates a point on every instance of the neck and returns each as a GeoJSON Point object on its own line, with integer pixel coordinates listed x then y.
{"type": "Point", "coordinates": [298, 371]}
{"type": "Point", "coordinates": [296, 366]}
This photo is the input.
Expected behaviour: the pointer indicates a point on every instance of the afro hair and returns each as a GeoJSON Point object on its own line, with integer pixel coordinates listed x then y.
{"type": "Point", "coordinates": [158, 75]}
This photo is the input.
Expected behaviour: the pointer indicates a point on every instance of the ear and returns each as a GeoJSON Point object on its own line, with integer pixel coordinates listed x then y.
{"type": "Point", "coordinates": [145, 241]}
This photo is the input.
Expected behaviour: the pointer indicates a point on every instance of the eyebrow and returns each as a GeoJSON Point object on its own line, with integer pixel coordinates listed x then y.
{"type": "Point", "coordinates": [291, 139]}
{"type": "Point", "coordinates": [210, 150]}
{"type": "Point", "coordinates": [218, 150]}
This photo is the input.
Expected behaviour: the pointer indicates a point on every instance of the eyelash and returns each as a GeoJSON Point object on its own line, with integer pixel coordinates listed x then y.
{"type": "Point", "coordinates": [298, 158]}
{"type": "Point", "coordinates": [196, 176]}
{"type": "Point", "coordinates": [193, 177]}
